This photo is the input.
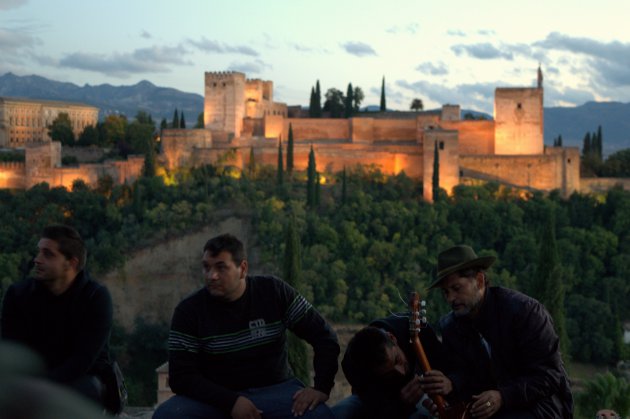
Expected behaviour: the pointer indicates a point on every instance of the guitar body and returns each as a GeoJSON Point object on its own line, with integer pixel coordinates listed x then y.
{"type": "Point", "coordinates": [445, 410]}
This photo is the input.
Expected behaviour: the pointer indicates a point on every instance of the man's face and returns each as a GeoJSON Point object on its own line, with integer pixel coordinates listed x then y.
{"type": "Point", "coordinates": [50, 264]}
{"type": "Point", "coordinates": [463, 294]}
{"type": "Point", "coordinates": [396, 364]}
{"type": "Point", "coordinates": [224, 278]}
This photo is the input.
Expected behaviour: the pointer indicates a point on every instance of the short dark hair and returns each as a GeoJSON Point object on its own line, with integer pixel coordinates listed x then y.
{"type": "Point", "coordinates": [228, 243]}
{"type": "Point", "coordinates": [472, 273]}
{"type": "Point", "coordinates": [70, 242]}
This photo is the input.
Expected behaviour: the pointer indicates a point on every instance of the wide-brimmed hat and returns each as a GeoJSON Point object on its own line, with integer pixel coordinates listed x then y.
{"type": "Point", "coordinates": [458, 258]}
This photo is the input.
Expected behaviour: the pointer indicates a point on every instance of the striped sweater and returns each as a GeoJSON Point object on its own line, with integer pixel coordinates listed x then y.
{"type": "Point", "coordinates": [217, 348]}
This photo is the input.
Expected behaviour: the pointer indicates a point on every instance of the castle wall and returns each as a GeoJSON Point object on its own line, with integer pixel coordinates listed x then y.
{"type": "Point", "coordinates": [558, 170]}
{"type": "Point", "coordinates": [12, 175]}
{"type": "Point", "coordinates": [601, 185]}
{"type": "Point", "coordinates": [448, 151]}
{"type": "Point", "coordinates": [475, 137]}
{"type": "Point", "coordinates": [518, 115]}
{"type": "Point", "coordinates": [394, 130]}
{"type": "Point", "coordinates": [224, 104]}
{"type": "Point", "coordinates": [178, 145]}
{"type": "Point", "coordinates": [316, 129]}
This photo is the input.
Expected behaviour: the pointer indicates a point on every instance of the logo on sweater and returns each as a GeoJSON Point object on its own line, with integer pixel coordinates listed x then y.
{"type": "Point", "coordinates": [257, 328]}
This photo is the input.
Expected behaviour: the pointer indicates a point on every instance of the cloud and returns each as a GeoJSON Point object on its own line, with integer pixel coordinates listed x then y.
{"type": "Point", "coordinates": [566, 97]}
{"type": "Point", "coordinates": [211, 46]}
{"type": "Point", "coordinates": [454, 32]}
{"type": "Point", "coordinates": [143, 60]}
{"type": "Point", "coordinates": [12, 40]}
{"type": "Point", "coordinates": [438, 69]}
{"type": "Point", "coordinates": [482, 51]}
{"type": "Point", "coordinates": [411, 28]}
{"type": "Point", "coordinates": [358, 48]}
{"type": "Point", "coordinates": [146, 35]}
{"type": "Point", "coordinates": [251, 67]}
{"type": "Point", "coordinates": [11, 4]}
{"type": "Point", "coordinates": [607, 61]}
{"type": "Point", "coordinates": [479, 96]}
{"type": "Point", "coordinates": [486, 32]}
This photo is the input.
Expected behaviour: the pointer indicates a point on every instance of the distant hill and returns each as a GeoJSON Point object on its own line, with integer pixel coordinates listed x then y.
{"type": "Point", "coordinates": [570, 122]}
{"type": "Point", "coordinates": [574, 123]}
{"type": "Point", "coordinates": [160, 102]}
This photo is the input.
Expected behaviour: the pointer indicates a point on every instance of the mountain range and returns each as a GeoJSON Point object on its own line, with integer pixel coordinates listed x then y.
{"type": "Point", "coordinates": [571, 122]}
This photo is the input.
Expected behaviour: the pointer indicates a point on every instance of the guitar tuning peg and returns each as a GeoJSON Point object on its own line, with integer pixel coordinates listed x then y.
{"type": "Point", "coordinates": [418, 322]}
{"type": "Point", "coordinates": [423, 312]}
{"type": "Point", "coordinates": [424, 321]}
{"type": "Point", "coordinates": [423, 303]}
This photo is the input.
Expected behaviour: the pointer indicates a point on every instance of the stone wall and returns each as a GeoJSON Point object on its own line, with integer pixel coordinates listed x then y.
{"type": "Point", "coordinates": [178, 145]}
{"type": "Point", "coordinates": [317, 129]}
{"type": "Point", "coordinates": [475, 137]}
{"type": "Point", "coordinates": [448, 149]}
{"type": "Point", "coordinates": [224, 104]}
{"type": "Point", "coordinates": [12, 175]}
{"type": "Point", "coordinates": [601, 185]}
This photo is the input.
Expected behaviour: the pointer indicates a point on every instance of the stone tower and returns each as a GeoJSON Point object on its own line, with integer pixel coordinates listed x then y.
{"type": "Point", "coordinates": [224, 104]}
{"type": "Point", "coordinates": [518, 116]}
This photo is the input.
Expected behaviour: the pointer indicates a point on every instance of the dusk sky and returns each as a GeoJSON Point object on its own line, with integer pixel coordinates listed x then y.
{"type": "Point", "coordinates": [454, 51]}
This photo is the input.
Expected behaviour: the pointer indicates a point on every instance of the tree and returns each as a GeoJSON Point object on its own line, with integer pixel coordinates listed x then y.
{"type": "Point", "coordinates": [334, 103]}
{"type": "Point", "coordinates": [290, 150]}
{"type": "Point", "coordinates": [416, 105]}
{"type": "Point", "coordinates": [344, 190]}
{"type": "Point", "coordinates": [548, 284]}
{"type": "Point", "coordinates": [358, 98]}
{"type": "Point", "coordinates": [586, 145]}
{"type": "Point", "coordinates": [175, 123]}
{"type": "Point", "coordinates": [436, 173]}
{"type": "Point", "coordinates": [311, 104]}
{"type": "Point", "coordinates": [349, 101]}
{"type": "Point", "coordinates": [182, 121]}
{"type": "Point", "coordinates": [200, 123]}
{"type": "Point", "coordinates": [114, 130]}
{"type": "Point", "coordinates": [383, 101]}
{"type": "Point", "coordinates": [298, 358]}
{"type": "Point", "coordinates": [605, 390]}
{"type": "Point", "coordinates": [89, 136]}
{"type": "Point", "coordinates": [318, 101]}
{"type": "Point", "coordinates": [163, 124]}
{"type": "Point", "coordinates": [280, 174]}
{"type": "Point", "coordinates": [251, 164]}
{"type": "Point", "coordinates": [311, 173]}
{"type": "Point", "coordinates": [61, 129]}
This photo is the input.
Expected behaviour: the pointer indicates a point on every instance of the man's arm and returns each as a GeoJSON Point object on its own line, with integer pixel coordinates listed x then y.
{"type": "Point", "coordinates": [95, 329]}
{"type": "Point", "coordinates": [10, 323]}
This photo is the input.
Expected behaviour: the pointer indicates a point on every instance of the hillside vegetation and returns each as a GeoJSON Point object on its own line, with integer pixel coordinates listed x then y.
{"type": "Point", "coordinates": [367, 240]}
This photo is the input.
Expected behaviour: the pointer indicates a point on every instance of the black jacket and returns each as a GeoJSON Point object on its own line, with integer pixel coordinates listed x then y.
{"type": "Point", "coordinates": [69, 331]}
{"type": "Point", "coordinates": [524, 365]}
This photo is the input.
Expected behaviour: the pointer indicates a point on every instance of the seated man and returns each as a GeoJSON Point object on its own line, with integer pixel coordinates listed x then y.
{"type": "Point", "coordinates": [61, 314]}
{"type": "Point", "coordinates": [382, 367]}
{"type": "Point", "coordinates": [502, 343]}
{"type": "Point", "coordinates": [227, 345]}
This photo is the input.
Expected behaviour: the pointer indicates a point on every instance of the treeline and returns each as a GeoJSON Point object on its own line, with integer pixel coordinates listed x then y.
{"type": "Point", "coordinates": [366, 241]}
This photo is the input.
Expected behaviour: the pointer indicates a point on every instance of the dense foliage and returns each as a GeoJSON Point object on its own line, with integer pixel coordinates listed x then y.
{"type": "Point", "coordinates": [368, 241]}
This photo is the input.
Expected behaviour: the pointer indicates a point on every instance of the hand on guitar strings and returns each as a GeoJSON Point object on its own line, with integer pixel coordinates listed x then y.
{"type": "Point", "coordinates": [486, 404]}
{"type": "Point", "coordinates": [434, 382]}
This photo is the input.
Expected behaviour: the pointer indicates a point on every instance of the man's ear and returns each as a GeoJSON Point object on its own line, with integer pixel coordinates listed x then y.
{"type": "Point", "coordinates": [392, 337]}
{"type": "Point", "coordinates": [243, 267]}
{"type": "Point", "coordinates": [74, 263]}
{"type": "Point", "coordinates": [480, 277]}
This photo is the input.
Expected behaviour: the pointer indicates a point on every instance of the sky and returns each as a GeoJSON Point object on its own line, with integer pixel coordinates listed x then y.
{"type": "Point", "coordinates": [442, 52]}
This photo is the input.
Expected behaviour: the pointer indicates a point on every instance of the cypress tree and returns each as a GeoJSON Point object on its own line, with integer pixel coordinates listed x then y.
{"type": "Point", "coordinates": [311, 104]}
{"type": "Point", "coordinates": [599, 142]}
{"type": "Point", "coordinates": [182, 121]}
{"type": "Point", "coordinates": [163, 124]}
{"type": "Point", "coordinates": [548, 286]}
{"type": "Point", "coordinates": [344, 190]}
{"type": "Point", "coordinates": [251, 164]}
{"type": "Point", "coordinates": [175, 123]}
{"type": "Point", "coordinates": [290, 151]}
{"type": "Point", "coordinates": [586, 145]}
{"type": "Point", "coordinates": [298, 359]}
{"type": "Point", "coordinates": [318, 101]}
{"type": "Point", "coordinates": [349, 101]}
{"type": "Point", "coordinates": [280, 168]}
{"type": "Point", "coordinates": [383, 101]}
{"type": "Point", "coordinates": [148, 169]}
{"type": "Point", "coordinates": [436, 173]}
{"type": "Point", "coordinates": [560, 140]}
{"type": "Point", "coordinates": [310, 182]}
{"type": "Point", "coordinates": [317, 189]}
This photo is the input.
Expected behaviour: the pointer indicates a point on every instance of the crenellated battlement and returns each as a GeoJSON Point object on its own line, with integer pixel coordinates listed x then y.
{"type": "Point", "coordinates": [12, 165]}
{"type": "Point", "coordinates": [223, 75]}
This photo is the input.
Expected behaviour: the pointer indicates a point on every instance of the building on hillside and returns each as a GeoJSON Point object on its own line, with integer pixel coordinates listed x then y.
{"type": "Point", "coordinates": [26, 121]}
{"type": "Point", "coordinates": [241, 117]}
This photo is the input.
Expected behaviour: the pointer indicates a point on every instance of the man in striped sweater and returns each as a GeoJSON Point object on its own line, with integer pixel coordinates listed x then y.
{"type": "Point", "coordinates": [227, 345]}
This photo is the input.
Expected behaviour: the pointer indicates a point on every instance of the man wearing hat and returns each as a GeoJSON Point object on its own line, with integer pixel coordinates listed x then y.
{"type": "Point", "coordinates": [502, 344]}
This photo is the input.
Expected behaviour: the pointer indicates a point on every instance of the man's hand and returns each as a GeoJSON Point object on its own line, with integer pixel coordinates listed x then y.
{"type": "Point", "coordinates": [244, 409]}
{"type": "Point", "coordinates": [412, 392]}
{"type": "Point", "coordinates": [435, 382]}
{"type": "Point", "coordinates": [486, 404]}
{"type": "Point", "coordinates": [307, 398]}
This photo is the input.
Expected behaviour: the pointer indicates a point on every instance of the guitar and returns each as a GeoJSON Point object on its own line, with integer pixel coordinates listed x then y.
{"type": "Point", "coordinates": [417, 321]}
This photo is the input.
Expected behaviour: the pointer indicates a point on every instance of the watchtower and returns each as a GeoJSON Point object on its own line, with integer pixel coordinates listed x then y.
{"type": "Point", "coordinates": [224, 104]}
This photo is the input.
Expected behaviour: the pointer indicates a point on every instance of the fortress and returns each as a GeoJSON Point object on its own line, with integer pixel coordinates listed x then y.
{"type": "Point", "coordinates": [241, 116]}
{"type": "Point", "coordinates": [241, 119]}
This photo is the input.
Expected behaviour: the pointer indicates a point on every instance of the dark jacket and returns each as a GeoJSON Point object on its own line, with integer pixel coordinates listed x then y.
{"type": "Point", "coordinates": [69, 331]}
{"type": "Point", "coordinates": [524, 364]}
{"type": "Point", "coordinates": [381, 399]}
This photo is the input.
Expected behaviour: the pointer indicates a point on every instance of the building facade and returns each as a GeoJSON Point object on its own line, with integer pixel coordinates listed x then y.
{"type": "Point", "coordinates": [26, 121]}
